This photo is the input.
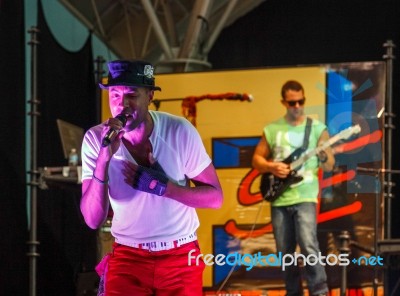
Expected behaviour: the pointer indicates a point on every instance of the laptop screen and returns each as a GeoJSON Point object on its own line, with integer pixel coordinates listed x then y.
{"type": "Point", "coordinates": [71, 137]}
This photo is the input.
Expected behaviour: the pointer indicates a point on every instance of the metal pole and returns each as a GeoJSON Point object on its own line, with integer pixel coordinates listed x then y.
{"type": "Point", "coordinates": [389, 126]}
{"type": "Point", "coordinates": [378, 179]}
{"type": "Point", "coordinates": [34, 173]}
{"type": "Point", "coordinates": [99, 72]}
{"type": "Point", "coordinates": [344, 238]}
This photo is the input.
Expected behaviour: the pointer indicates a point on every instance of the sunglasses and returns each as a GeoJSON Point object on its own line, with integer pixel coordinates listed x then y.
{"type": "Point", "coordinates": [294, 103]}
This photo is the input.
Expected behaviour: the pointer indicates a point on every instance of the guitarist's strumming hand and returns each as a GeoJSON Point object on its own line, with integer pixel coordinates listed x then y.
{"type": "Point", "coordinates": [279, 169]}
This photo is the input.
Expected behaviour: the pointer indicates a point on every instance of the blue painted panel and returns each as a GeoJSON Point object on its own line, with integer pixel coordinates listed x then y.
{"type": "Point", "coordinates": [233, 152]}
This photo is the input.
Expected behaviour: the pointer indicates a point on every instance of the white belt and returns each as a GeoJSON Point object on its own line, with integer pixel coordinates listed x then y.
{"type": "Point", "coordinates": [162, 246]}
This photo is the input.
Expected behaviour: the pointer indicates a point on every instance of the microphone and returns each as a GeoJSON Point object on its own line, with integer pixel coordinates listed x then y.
{"type": "Point", "coordinates": [112, 133]}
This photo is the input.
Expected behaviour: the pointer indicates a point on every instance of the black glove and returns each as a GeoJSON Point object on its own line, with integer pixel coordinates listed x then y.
{"type": "Point", "coordinates": [152, 180]}
{"type": "Point", "coordinates": [156, 166]}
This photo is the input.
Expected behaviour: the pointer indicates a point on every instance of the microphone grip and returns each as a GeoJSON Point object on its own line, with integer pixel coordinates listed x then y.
{"type": "Point", "coordinates": [112, 133]}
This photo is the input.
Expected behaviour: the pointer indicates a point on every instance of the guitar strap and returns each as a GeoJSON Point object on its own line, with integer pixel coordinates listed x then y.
{"type": "Point", "coordinates": [307, 134]}
{"type": "Point", "coordinates": [296, 153]}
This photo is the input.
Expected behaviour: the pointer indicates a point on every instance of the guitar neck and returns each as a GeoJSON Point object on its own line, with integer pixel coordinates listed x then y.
{"type": "Point", "coordinates": [299, 162]}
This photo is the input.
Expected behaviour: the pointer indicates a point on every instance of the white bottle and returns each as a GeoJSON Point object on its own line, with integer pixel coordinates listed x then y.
{"type": "Point", "coordinates": [73, 158]}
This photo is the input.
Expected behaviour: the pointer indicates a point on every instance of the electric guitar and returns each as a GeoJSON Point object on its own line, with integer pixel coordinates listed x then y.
{"type": "Point", "coordinates": [272, 187]}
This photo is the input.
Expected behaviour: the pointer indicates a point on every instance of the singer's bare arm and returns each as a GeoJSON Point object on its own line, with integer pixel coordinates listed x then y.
{"type": "Point", "coordinates": [94, 202]}
{"type": "Point", "coordinates": [206, 192]}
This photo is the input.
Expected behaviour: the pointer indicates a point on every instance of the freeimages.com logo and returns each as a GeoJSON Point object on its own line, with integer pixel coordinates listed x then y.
{"type": "Point", "coordinates": [283, 260]}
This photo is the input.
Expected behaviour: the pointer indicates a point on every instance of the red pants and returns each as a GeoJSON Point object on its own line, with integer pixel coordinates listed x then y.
{"type": "Point", "coordinates": [138, 272]}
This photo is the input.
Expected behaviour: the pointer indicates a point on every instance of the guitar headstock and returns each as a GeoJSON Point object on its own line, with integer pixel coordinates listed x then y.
{"type": "Point", "coordinates": [348, 132]}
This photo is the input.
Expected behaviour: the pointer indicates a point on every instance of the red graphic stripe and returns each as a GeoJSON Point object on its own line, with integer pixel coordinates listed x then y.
{"type": "Point", "coordinates": [338, 178]}
{"type": "Point", "coordinates": [340, 212]}
{"type": "Point", "coordinates": [232, 229]}
{"type": "Point", "coordinates": [374, 137]}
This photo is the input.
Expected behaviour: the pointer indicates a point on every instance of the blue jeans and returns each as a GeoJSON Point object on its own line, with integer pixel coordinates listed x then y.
{"type": "Point", "coordinates": [294, 225]}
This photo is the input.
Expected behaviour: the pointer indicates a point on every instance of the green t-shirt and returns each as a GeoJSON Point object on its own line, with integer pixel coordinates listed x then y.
{"type": "Point", "coordinates": [283, 139]}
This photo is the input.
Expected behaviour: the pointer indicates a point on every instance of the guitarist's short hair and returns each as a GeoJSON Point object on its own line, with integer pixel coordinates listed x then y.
{"type": "Point", "coordinates": [291, 85]}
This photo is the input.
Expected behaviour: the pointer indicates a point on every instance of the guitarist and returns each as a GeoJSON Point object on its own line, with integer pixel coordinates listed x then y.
{"type": "Point", "coordinates": [293, 213]}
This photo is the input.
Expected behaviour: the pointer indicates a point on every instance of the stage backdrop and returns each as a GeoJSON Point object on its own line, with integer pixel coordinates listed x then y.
{"type": "Point", "coordinates": [342, 96]}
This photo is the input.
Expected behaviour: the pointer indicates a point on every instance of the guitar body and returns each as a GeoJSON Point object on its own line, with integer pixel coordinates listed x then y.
{"type": "Point", "coordinates": [272, 187]}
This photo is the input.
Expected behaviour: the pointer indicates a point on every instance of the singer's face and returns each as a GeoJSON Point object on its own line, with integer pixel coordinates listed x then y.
{"type": "Point", "coordinates": [136, 98]}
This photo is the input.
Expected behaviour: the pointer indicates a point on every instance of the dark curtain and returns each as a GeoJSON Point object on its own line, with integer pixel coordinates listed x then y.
{"type": "Point", "coordinates": [66, 89]}
{"type": "Point", "coordinates": [13, 220]}
{"type": "Point", "coordinates": [289, 33]}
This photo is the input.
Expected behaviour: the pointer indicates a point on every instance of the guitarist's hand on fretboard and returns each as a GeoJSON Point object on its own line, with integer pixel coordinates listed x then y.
{"type": "Point", "coordinates": [322, 156]}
